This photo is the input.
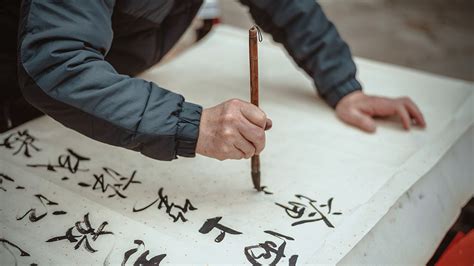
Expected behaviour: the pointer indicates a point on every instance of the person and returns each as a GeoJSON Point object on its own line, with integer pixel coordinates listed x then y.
{"type": "Point", "coordinates": [76, 62]}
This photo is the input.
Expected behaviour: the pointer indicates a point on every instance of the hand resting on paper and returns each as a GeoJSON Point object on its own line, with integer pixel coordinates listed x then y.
{"type": "Point", "coordinates": [234, 129]}
{"type": "Point", "coordinates": [358, 109]}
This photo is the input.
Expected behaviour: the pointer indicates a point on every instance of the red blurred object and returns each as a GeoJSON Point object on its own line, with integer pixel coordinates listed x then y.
{"type": "Point", "coordinates": [216, 21]}
{"type": "Point", "coordinates": [460, 251]}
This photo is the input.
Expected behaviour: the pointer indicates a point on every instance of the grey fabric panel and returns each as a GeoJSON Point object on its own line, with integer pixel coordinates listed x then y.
{"type": "Point", "coordinates": [101, 130]}
{"type": "Point", "coordinates": [155, 11]}
{"type": "Point", "coordinates": [154, 34]}
{"type": "Point", "coordinates": [62, 50]}
{"type": "Point", "coordinates": [312, 41]}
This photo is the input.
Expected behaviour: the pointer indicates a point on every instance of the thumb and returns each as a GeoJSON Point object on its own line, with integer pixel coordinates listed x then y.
{"type": "Point", "coordinates": [360, 120]}
{"type": "Point", "coordinates": [269, 124]}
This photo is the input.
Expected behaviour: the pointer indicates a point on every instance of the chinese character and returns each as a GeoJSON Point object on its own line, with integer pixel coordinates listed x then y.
{"type": "Point", "coordinates": [118, 184]}
{"type": "Point", "coordinates": [84, 229]}
{"type": "Point", "coordinates": [214, 223]}
{"type": "Point", "coordinates": [6, 178]}
{"type": "Point", "coordinates": [68, 161]}
{"type": "Point", "coordinates": [142, 260]}
{"type": "Point", "coordinates": [13, 249]}
{"type": "Point", "coordinates": [22, 252]}
{"type": "Point", "coordinates": [314, 213]}
{"type": "Point", "coordinates": [269, 251]}
{"type": "Point", "coordinates": [21, 141]}
{"type": "Point", "coordinates": [163, 201]}
{"type": "Point", "coordinates": [33, 217]}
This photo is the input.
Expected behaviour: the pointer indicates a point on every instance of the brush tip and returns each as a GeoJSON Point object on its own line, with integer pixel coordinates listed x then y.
{"type": "Point", "coordinates": [256, 180]}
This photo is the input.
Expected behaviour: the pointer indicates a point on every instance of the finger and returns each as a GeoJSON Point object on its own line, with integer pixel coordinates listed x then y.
{"type": "Point", "coordinates": [415, 112]}
{"type": "Point", "coordinates": [235, 154]}
{"type": "Point", "coordinates": [254, 114]}
{"type": "Point", "coordinates": [254, 134]}
{"type": "Point", "coordinates": [403, 113]}
{"type": "Point", "coordinates": [269, 124]}
{"type": "Point", "coordinates": [245, 147]}
{"type": "Point", "coordinates": [380, 106]}
{"type": "Point", "coordinates": [360, 120]}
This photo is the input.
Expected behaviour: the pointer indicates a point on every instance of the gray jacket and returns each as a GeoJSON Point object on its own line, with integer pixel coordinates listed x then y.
{"type": "Point", "coordinates": [75, 64]}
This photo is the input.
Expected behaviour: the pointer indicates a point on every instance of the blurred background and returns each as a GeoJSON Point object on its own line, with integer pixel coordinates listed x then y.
{"type": "Point", "coordinates": [431, 35]}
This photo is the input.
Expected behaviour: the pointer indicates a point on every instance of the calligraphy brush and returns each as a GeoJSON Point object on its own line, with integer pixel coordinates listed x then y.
{"type": "Point", "coordinates": [253, 60]}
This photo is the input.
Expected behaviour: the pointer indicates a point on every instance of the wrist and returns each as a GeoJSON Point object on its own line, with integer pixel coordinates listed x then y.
{"type": "Point", "coordinates": [336, 94]}
{"type": "Point", "coordinates": [188, 129]}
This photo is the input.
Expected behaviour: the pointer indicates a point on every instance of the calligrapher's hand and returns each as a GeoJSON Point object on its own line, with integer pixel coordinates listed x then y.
{"type": "Point", "coordinates": [358, 109]}
{"type": "Point", "coordinates": [234, 129]}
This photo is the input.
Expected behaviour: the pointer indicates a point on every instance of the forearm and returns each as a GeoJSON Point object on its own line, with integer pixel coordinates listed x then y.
{"type": "Point", "coordinates": [64, 74]}
{"type": "Point", "coordinates": [312, 41]}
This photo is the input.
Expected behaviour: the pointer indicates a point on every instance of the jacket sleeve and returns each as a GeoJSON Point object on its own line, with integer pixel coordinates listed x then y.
{"type": "Point", "coordinates": [312, 41]}
{"type": "Point", "coordinates": [62, 71]}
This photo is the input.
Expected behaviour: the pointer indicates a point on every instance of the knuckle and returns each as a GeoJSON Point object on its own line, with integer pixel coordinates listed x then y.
{"type": "Point", "coordinates": [234, 102]}
{"type": "Point", "coordinates": [227, 132]}
{"type": "Point", "coordinates": [229, 118]}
